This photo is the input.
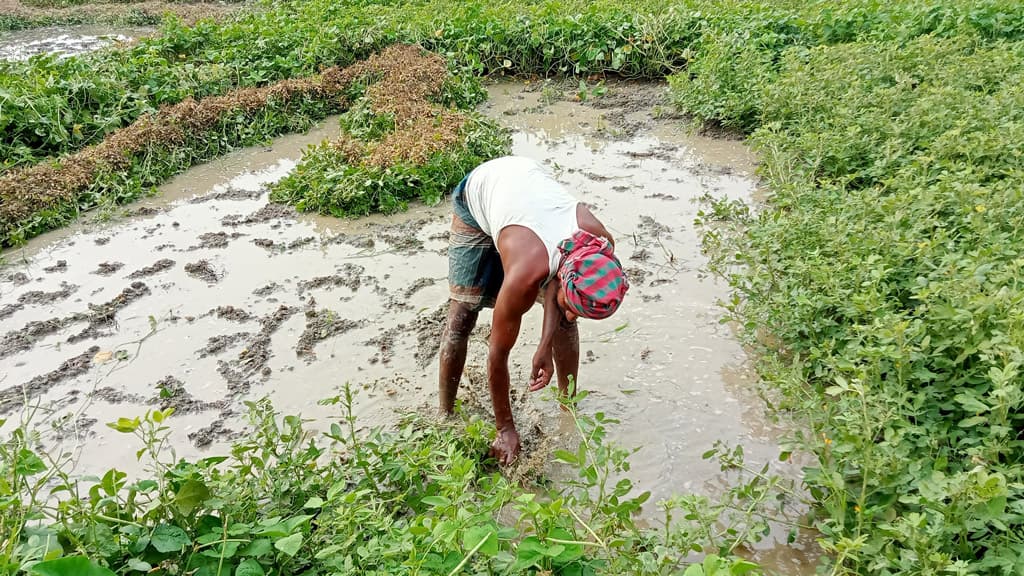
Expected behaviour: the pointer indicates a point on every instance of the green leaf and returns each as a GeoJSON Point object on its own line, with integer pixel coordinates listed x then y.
{"type": "Point", "coordinates": [565, 456]}
{"type": "Point", "coordinates": [28, 463]}
{"type": "Point", "coordinates": [436, 501]}
{"type": "Point", "coordinates": [167, 538]}
{"type": "Point", "coordinates": [191, 494]}
{"type": "Point", "coordinates": [741, 567]}
{"type": "Point", "coordinates": [314, 502]}
{"type": "Point", "coordinates": [249, 567]}
{"type": "Point", "coordinates": [290, 544]}
{"type": "Point", "coordinates": [475, 534]}
{"type": "Point", "coordinates": [570, 552]}
{"type": "Point", "coordinates": [694, 570]}
{"type": "Point", "coordinates": [70, 566]}
{"type": "Point", "coordinates": [139, 565]}
{"type": "Point", "coordinates": [258, 547]}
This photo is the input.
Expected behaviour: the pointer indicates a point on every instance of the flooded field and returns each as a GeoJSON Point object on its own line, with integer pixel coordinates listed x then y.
{"type": "Point", "coordinates": [64, 41]}
{"type": "Point", "coordinates": [207, 295]}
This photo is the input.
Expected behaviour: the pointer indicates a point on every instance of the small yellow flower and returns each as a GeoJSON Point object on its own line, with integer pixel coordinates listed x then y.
{"type": "Point", "coordinates": [979, 208]}
{"type": "Point", "coordinates": [856, 508]}
{"type": "Point", "coordinates": [828, 441]}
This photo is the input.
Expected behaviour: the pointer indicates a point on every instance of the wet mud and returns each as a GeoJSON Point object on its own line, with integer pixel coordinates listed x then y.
{"type": "Point", "coordinates": [63, 41]}
{"type": "Point", "coordinates": [303, 304]}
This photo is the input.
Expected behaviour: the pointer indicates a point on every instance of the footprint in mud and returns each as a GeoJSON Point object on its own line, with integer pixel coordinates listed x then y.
{"type": "Point", "coordinates": [203, 271]}
{"type": "Point", "coordinates": [154, 268]}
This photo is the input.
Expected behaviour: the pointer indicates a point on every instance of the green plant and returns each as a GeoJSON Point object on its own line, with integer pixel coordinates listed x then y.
{"type": "Point", "coordinates": [421, 499]}
{"type": "Point", "coordinates": [879, 287]}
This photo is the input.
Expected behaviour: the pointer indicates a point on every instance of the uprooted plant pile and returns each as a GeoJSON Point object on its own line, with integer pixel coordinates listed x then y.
{"type": "Point", "coordinates": [131, 160]}
{"type": "Point", "coordinates": [397, 144]}
{"type": "Point", "coordinates": [423, 499]}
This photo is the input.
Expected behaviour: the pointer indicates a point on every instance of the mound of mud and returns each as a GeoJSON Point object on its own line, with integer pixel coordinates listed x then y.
{"type": "Point", "coordinates": [203, 271]}
{"type": "Point", "coordinates": [154, 268]}
{"type": "Point", "coordinates": [15, 396]}
{"type": "Point", "coordinates": [321, 325]}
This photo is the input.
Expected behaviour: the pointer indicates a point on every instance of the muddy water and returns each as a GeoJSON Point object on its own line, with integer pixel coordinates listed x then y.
{"type": "Point", "coordinates": [212, 296]}
{"type": "Point", "coordinates": [64, 41]}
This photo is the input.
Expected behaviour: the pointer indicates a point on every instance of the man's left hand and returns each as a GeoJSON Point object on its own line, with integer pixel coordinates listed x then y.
{"type": "Point", "coordinates": [543, 369]}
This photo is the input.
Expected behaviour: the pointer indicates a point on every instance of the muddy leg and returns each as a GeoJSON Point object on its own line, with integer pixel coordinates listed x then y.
{"type": "Point", "coordinates": [453, 352]}
{"type": "Point", "coordinates": [566, 353]}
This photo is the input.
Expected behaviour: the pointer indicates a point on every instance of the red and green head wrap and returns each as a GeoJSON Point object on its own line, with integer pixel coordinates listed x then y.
{"type": "Point", "coordinates": [592, 277]}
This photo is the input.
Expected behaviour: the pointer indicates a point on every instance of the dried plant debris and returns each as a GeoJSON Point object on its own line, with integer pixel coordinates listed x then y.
{"type": "Point", "coordinates": [25, 191]}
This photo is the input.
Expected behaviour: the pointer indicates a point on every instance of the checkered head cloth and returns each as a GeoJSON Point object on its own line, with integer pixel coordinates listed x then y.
{"type": "Point", "coordinates": [591, 275]}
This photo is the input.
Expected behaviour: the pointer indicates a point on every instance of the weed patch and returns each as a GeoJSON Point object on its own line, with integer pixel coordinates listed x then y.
{"type": "Point", "coordinates": [421, 499]}
{"type": "Point", "coordinates": [398, 143]}
{"type": "Point", "coordinates": [884, 275]}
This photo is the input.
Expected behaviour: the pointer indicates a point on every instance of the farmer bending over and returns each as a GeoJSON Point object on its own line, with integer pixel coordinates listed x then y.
{"type": "Point", "coordinates": [518, 237]}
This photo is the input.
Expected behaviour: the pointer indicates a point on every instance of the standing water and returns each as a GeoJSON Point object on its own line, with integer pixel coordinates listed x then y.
{"type": "Point", "coordinates": [208, 296]}
{"type": "Point", "coordinates": [64, 41]}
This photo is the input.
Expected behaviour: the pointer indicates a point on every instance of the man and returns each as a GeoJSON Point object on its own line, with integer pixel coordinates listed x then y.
{"type": "Point", "coordinates": [517, 237]}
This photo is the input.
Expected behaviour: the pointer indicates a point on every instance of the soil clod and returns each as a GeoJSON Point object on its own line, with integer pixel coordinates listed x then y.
{"type": "Point", "coordinates": [60, 266]}
{"type": "Point", "coordinates": [153, 269]}
{"type": "Point", "coordinates": [203, 271]}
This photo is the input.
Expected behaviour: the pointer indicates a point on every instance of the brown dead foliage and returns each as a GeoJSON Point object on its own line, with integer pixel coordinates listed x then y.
{"type": "Point", "coordinates": [407, 77]}
{"type": "Point", "coordinates": [27, 190]}
{"type": "Point", "coordinates": [189, 12]}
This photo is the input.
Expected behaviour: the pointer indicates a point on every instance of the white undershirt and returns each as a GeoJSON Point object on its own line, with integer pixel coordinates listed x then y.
{"type": "Point", "coordinates": [519, 191]}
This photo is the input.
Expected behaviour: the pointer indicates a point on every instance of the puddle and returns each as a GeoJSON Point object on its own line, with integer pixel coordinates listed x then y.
{"type": "Point", "coordinates": [248, 300]}
{"type": "Point", "coordinates": [64, 41]}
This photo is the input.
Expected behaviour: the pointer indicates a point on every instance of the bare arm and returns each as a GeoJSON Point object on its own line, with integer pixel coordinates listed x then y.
{"type": "Point", "coordinates": [587, 221]}
{"type": "Point", "coordinates": [543, 365]}
{"type": "Point", "coordinates": [514, 300]}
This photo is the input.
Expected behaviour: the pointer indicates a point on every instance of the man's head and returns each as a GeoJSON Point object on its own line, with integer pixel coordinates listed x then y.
{"type": "Point", "coordinates": [592, 281]}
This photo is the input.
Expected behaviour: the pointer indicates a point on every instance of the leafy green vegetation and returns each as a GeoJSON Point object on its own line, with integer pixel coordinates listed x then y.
{"type": "Point", "coordinates": [882, 282]}
{"type": "Point", "coordinates": [421, 499]}
{"type": "Point", "coordinates": [327, 181]}
{"type": "Point", "coordinates": [53, 107]}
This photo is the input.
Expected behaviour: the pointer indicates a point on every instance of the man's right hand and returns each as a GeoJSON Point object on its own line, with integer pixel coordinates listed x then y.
{"type": "Point", "coordinates": [506, 446]}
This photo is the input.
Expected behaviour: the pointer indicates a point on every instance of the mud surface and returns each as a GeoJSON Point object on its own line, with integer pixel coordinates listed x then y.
{"type": "Point", "coordinates": [303, 304]}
